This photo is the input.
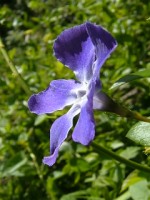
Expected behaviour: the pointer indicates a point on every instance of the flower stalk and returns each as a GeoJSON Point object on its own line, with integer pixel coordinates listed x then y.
{"type": "Point", "coordinates": [101, 149]}
{"type": "Point", "coordinates": [110, 105]}
{"type": "Point", "coordinates": [13, 68]}
{"type": "Point", "coordinates": [135, 115]}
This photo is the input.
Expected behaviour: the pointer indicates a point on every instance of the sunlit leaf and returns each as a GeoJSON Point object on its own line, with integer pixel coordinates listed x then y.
{"type": "Point", "coordinates": [131, 179]}
{"type": "Point", "coordinates": [140, 190]}
{"type": "Point", "coordinates": [40, 119]}
{"type": "Point", "coordinates": [131, 77]}
{"type": "Point", "coordinates": [140, 133]}
{"type": "Point", "coordinates": [130, 152]}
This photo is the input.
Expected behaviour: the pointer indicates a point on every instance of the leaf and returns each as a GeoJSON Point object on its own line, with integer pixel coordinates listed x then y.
{"type": "Point", "coordinates": [140, 133]}
{"type": "Point", "coordinates": [131, 179]}
{"type": "Point", "coordinates": [124, 196]}
{"type": "Point", "coordinates": [83, 165]}
{"type": "Point", "coordinates": [40, 119]}
{"type": "Point", "coordinates": [140, 190]}
{"type": "Point", "coordinates": [74, 195]}
{"type": "Point", "coordinates": [128, 78]}
{"type": "Point", "coordinates": [81, 194]}
{"type": "Point", "coordinates": [130, 152]}
{"type": "Point", "coordinates": [13, 165]}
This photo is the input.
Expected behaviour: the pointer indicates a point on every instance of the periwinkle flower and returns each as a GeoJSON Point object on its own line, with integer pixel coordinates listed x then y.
{"type": "Point", "coordinates": [83, 49]}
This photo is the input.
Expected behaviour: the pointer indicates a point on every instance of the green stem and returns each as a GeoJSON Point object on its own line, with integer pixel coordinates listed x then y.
{"type": "Point", "coordinates": [37, 167]}
{"type": "Point", "coordinates": [109, 105]}
{"type": "Point", "coordinates": [124, 112]}
{"type": "Point", "coordinates": [100, 149]}
{"type": "Point", "coordinates": [13, 68]}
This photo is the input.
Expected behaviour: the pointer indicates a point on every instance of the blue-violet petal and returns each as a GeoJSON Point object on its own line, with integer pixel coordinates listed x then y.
{"type": "Point", "coordinates": [84, 130]}
{"type": "Point", "coordinates": [59, 132]}
{"type": "Point", "coordinates": [104, 44]}
{"type": "Point", "coordinates": [59, 94]}
{"type": "Point", "coordinates": [74, 48]}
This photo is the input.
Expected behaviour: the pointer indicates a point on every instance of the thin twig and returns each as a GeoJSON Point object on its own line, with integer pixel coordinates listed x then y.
{"type": "Point", "coordinates": [13, 68]}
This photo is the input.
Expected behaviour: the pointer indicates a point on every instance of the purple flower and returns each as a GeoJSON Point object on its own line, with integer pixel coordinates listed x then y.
{"type": "Point", "coordinates": [83, 49]}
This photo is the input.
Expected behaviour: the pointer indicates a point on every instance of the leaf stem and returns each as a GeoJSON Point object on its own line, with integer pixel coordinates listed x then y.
{"type": "Point", "coordinates": [13, 68]}
{"type": "Point", "coordinates": [100, 149]}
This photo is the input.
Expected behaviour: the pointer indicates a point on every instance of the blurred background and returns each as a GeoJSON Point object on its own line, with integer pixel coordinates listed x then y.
{"type": "Point", "coordinates": [28, 29]}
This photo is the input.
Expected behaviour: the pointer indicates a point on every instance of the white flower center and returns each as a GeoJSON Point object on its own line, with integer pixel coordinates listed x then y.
{"type": "Point", "coordinates": [81, 93]}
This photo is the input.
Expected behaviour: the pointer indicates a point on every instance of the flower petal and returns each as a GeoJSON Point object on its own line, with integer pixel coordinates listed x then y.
{"type": "Point", "coordinates": [59, 94]}
{"type": "Point", "coordinates": [59, 132]}
{"type": "Point", "coordinates": [104, 44]}
{"type": "Point", "coordinates": [102, 102]}
{"type": "Point", "coordinates": [84, 130]}
{"type": "Point", "coordinates": [74, 48]}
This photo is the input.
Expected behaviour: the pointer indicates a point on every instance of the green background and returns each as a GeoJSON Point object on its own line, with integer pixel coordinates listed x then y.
{"type": "Point", "coordinates": [28, 29]}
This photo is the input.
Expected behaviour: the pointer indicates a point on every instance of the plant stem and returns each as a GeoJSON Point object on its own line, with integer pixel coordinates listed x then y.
{"type": "Point", "coordinates": [109, 105]}
{"type": "Point", "coordinates": [124, 112]}
{"type": "Point", "coordinates": [37, 167]}
{"type": "Point", "coordinates": [100, 149]}
{"type": "Point", "coordinates": [13, 68]}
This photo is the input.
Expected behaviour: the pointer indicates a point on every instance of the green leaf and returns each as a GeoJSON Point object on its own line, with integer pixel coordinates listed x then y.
{"type": "Point", "coordinates": [40, 119]}
{"type": "Point", "coordinates": [131, 179]}
{"type": "Point", "coordinates": [140, 133]}
{"type": "Point", "coordinates": [81, 194]}
{"type": "Point", "coordinates": [13, 165]}
{"type": "Point", "coordinates": [128, 78]}
{"type": "Point", "coordinates": [130, 152]}
{"type": "Point", "coordinates": [124, 196]}
{"type": "Point", "coordinates": [83, 165]}
{"type": "Point", "coordinates": [140, 190]}
{"type": "Point", "coordinates": [74, 195]}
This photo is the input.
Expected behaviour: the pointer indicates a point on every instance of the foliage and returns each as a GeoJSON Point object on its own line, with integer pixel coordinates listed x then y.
{"type": "Point", "coordinates": [28, 28]}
